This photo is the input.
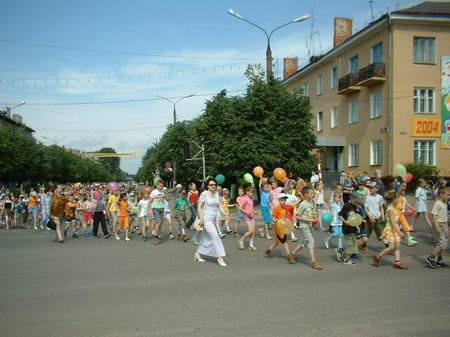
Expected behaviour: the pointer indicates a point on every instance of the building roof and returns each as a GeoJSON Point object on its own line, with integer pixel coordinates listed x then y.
{"type": "Point", "coordinates": [428, 8]}
{"type": "Point", "coordinates": [14, 123]}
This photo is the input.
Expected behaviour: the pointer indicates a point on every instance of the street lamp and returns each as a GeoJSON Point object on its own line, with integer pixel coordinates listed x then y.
{"type": "Point", "coordinates": [268, 36]}
{"type": "Point", "coordinates": [174, 103]}
{"type": "Point", "coordinates": [16, 106]}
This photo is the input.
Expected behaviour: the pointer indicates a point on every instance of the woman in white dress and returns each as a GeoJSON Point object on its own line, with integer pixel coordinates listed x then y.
{"type": "Point", "coordinates": [210, 243]}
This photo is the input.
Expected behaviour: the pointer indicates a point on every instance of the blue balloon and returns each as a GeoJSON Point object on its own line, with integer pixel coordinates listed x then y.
{"type": "Point", "coordinates": [326, 218]}
{"type": "Point", "coordinates": [220, 179]}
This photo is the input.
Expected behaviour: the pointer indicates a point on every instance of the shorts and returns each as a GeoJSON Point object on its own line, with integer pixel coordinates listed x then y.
{"type": "Point", "coordinates": [220, 216]}
{"type": "Point", "coordinates": [123, 222]}
{"type": "Point", "coordinates": [249, 220]}
{"type": "Point", "coordinates": [88, 217]}
{"type": "Point", "coordinates": [308, 239]}
{"type": "Point", "coordinates": [114, 217]}
{"type": "Point", "coordinates": [362, 232]}
{"type": "Point", "coordinates": [440, 239]}
{"type": "Point", "coordinates": [239, 216]}
{"type": "Point", "coordinates": [281, 237]}
{"type": "Point", "coordinates": [350, 244]}
{"type": "Point", "coordinates": [267, 216]}
{"type": "Point", "coordinates": [337, 231]}
{"type": "Point", "coordinates": [158, 215]}
{"type": "Point", "coordinates": [34, 212]}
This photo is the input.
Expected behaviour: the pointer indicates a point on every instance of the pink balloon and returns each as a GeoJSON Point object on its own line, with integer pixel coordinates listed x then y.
{"type": "Point", "coordinates": [97, 195]}
{"type": "Point", "coordinates": [409, 212]}
{"type": "Point", "coordinates": [113, 187]}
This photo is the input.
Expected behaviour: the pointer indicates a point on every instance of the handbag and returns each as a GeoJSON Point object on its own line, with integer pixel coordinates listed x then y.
{"type": "Point", "coordinates": [196, 224]}
{"type": "Point", "coordinates": [51, 224]}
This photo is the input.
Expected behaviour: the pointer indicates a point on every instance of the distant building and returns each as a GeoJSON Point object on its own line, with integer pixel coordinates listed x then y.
{"type": "Point", "coordinates": [381, 96]}
{"type": "Point", "coordinates": [15, 121]}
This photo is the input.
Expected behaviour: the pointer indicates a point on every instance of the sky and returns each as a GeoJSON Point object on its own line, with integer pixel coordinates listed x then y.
{"type": "Point", "coordinates": [100, 51]}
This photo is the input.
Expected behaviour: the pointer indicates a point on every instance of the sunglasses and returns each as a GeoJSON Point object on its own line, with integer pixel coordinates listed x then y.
{"type": "Point", "coordinates": [212, 185]}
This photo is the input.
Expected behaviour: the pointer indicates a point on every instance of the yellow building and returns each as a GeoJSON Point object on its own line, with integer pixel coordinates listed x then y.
{"type": "Point", "coordinates": [381, 96]}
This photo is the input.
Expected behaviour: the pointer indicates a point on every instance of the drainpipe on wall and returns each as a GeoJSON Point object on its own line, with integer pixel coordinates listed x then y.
{"type": "Point", "coordinates": [390, 94]}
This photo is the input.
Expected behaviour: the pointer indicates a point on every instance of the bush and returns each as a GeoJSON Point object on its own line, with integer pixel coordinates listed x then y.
{"type": "Point", "coordinates": [420, 171]}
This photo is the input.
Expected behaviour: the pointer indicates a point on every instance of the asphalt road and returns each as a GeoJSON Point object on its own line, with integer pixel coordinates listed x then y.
{"type": "Point", "coordinates": [96, 287]}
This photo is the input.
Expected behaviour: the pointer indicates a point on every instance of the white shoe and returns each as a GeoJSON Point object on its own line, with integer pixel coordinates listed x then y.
{"type": "Point", "coordinates": [171, 237]}
{"type": "Point", "coordinates": [294, 239]}
{"type": "Point", "coordinates": [268, 237]}
{"type": "Point", "coordinates": [221, 262]}
{"type": "Point", "coordinates": [153, 233]}
{"type": "Point", "coordinates": [198, 258]}
{"type": "Point", "coordinates": [251, 247]}
{"type": "Point", "coordinates": [261, 233]}
{"type": "Point", "coordinates": [117, 237]}
{"type": "Point", "coordinates": [241, 245]}
{"type": "Point", "coordinates": [127, 239]}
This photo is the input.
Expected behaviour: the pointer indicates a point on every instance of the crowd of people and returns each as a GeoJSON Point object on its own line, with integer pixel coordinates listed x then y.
{"type": "Point", "coordinates": [290, 211]}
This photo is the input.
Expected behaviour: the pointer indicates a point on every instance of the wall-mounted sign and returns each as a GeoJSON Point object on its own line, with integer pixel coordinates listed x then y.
{"type": "Point", "coordinates": [426, 127]}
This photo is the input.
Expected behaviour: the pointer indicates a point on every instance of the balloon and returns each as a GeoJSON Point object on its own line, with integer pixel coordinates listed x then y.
{"type": "Point", "coordinates": [326, 218]}
{"type": "Point", "coordinates": [409, 177]}
{"type": "Point", "coordinates": [285, 225]}
{"type": "Point", "coordinates": [248, 178]}
{"type": "Point", "coordinates": [258, 171]}
{"type": "Point", "coordinates": [279, 174]}
{"type": "Point", "coordinates": [220, 179]}
{"type": "Point", "coordinates": [354, 220]}
{"type": "Point", "coordinates": [409, 212]}
{"type": "Point", "coordinates": [113, 187]}
{"type": "Point", "coordinates": [400, 170]}
{"type": "Point", "coordinates": [148, 190]}
{"type": "Point", "coordinates": [97, 195]}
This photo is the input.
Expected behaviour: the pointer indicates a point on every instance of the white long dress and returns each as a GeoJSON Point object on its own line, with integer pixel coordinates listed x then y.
{"type": "Point", "coordinates": [210, 243]}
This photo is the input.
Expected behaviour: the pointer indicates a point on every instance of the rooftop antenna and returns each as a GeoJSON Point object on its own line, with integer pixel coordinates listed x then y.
{"type": "Point", "coordinates": [311, 36]}
{"type": "Point", "coordinates": [371, 8]}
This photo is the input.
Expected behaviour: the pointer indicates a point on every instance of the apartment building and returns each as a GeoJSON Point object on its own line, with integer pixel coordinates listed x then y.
{"type": "Point", "coordinates": [381, 96]}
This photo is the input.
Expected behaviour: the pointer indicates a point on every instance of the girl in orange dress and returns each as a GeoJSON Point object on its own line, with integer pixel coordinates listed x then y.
{"type": "Point", "coordinates": [405, 226]}
{"type": "Point", "coordinates": [124, 222]}
{"type": "Point", "coordinates": [391, 233]}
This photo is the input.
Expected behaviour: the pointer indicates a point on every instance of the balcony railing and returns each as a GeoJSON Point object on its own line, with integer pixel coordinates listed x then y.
{"type": "Point", "coordinates": [348, 84]}
{"type": "Point", "coordinates": [373, 74]}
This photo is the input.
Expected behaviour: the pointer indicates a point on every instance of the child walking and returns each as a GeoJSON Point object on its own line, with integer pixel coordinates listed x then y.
{"type": "Point", "coordinates": [440, 229]}
{"type": "Point", "coordinates": [421, 204]}
{"type": "Point", "coordinates": [266, 206]}
{"type": "Point", "coordinates": [124, 222]}
{"type": "Point", "coordinates": [246, 206]}
{"type": "Point", "coordinates": [239, 214]}
{"type": "Point", "coordinates": [281, 212]}
{"type": "Point", "coordinates": [405, 226]}
{"type": "Point", "coordinates": [392, 233]}
{"type": "Point", "coordinates": [336, 225]}
{"type": "Point", "coordinates": [181, 207]}
{"type": "Point", "coordinates": [306, 215]}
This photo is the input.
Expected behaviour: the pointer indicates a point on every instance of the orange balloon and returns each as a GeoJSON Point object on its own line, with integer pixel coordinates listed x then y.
{"type": "Point", "coordinates": [279, 174]}
{"type": "Point", "coordinates": [258, 171]}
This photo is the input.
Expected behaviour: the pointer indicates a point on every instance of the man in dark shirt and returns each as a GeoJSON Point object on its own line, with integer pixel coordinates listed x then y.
{"type": "Point", "coordinates": [350, 232]}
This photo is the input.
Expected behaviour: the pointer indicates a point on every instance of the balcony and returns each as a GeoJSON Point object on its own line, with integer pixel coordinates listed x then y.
{"type": "Point", "coordinates": [348, 84]}
{"type": "Point", "coordinates": [373, 74]}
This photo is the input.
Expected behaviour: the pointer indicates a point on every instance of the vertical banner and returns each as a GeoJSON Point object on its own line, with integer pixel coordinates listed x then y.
{"type": "Point", "coordinates": [445, 94]}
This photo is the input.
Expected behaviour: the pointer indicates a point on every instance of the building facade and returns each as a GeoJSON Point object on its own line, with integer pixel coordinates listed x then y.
{"type": "Point", "coordinates": [380, 97]}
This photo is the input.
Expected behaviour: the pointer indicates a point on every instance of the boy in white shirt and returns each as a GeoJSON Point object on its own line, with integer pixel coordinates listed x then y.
{"type": "Point", "coordinates": [374, 210]}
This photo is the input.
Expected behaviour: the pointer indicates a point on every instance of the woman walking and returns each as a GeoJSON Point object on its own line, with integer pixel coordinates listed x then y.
{"type": "Point", "coordinates": [210, 243]}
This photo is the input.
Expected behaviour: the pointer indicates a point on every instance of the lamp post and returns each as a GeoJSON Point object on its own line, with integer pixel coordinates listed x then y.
{"type": "Point", "coordinates": [268, 36]}
{"type": "Point", "coordinates": [16, 106]}
{"type": "Point", "coordinates": [174, 103]}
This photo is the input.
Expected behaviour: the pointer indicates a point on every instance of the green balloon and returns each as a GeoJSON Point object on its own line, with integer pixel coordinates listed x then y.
{"type": "Point", "coordinates": [248, 178]}
{"type": "Point", "coordinates": [220, 178]}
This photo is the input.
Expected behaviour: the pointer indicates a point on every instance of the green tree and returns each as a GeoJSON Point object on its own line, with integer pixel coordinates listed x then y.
{"type": "Point", "coordinates": [269, 126]}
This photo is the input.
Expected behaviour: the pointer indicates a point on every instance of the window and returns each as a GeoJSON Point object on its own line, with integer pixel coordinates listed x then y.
{"type": "Point", "coordinates": [319, 85]}
{"type": "Point", "coordinates": [334, 77]}
{"type": "Point", "coordinates": [353, 155]}
{"type": "Point", "coordinates": [377, 53]}
{"type": "Point", "coordinates": [376, 105]}
{"type": "Point", "coordinates": [334, 117]}
{"type": "Point", "coordinates": [425, 152]}
{"type": "Point", "coordinates": [424, 50]}
{"type": "Point", "coordinates": [306, 89]}
{"type": "Point", "coordinates": [353, 66]}
{"type": "Point", "coordinates": [353, 112]}
{"type": "Point", "coordinates": [320, 121]}
{"type": "Point", "coordinates": [424, 100]}
{"type": "Point", "coordinates": [376, 152]}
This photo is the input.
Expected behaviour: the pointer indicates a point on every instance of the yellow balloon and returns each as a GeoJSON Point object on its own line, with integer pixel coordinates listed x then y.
{"type": "Point", "coordinates": [285, 225]}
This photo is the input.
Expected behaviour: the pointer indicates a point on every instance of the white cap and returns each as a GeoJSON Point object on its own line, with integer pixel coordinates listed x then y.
{"type": "Point", "coordinates": [282, 195]}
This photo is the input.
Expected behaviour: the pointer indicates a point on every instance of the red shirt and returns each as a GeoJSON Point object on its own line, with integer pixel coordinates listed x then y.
{"type": "Point", "coordinates": [193, 197]}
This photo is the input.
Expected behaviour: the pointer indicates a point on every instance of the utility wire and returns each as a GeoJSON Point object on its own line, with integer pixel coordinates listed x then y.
{"type": "Point", "coordinates": [105, 51]}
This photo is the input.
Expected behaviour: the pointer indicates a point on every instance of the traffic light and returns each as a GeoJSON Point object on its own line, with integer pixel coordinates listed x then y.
{"type": "Point", "coordinates": [186, 150]}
